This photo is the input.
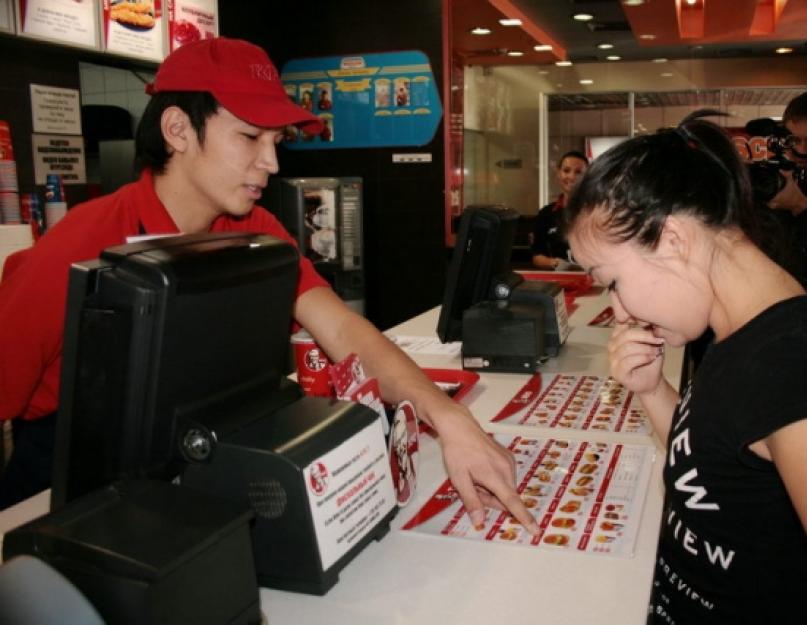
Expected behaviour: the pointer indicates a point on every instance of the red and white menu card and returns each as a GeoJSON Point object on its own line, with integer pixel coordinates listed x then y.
{"type": "Point", "coordinates": [577, 402]}
{"type": "Point", "coordinates": [587, 497]}
{"type": "Point", "coordinates": [134, 28]}
{"type": "Point", "coordinates": [191, 20]}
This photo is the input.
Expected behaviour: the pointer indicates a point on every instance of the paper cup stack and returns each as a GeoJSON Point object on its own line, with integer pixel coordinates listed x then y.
{"type": "Point", "coordinates": [9, 190]}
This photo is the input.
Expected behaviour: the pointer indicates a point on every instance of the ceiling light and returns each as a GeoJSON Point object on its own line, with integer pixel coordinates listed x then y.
{"type": "Point", "coordinates": [784, 50]}
{"type": "Point", "coordinates": [692, 3]}
{"type": "Point", "coordinates": [586, 81]}
{"type": "Point", "coordinates": [515, 53]}
{"type": "Point", "coordinates": [563, 63]}
{"type": "Point", "coordinates": [510, 22]}
{"type": "Point", "coordinates": [605, 46]}
{"type": "Point", "coordinates": [647, 36]}
{"type": "Point", "coordinates": [544, 47]}
{"type": "Point", "coordinates": [480, 31]}
{"type": "Point", "coordinates": [662, 60]}
{"type": "Point", "coordinates": [613, 57]}
{"type": "Point", "coordinates": [583, 17]}
{"type": "Point", "coordinates": [633, 3]}
{"type": "Point", "coordinates": [666, 74]}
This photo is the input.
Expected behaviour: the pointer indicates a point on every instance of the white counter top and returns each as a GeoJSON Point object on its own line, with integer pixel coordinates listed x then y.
{"type": "Point", "coordinates": [413, 578]}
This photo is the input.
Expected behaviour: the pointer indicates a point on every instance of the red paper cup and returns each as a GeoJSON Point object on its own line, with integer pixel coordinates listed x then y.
{"type": "Point", "coordinates": [313, 366]}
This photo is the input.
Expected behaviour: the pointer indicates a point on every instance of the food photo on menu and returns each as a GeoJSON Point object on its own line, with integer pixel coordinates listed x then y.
{"type": "Point", "coordinates": [133, 14]}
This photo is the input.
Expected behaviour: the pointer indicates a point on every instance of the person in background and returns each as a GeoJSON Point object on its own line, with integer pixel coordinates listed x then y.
{"type": "Point", "coordinates": [206, 146]}
{"type": "Point", "coordinates": [667, 222]}
{"type": "Point", "coordinates": [795, 120]}
{"type": "Point", "coordinates": [549, 248]}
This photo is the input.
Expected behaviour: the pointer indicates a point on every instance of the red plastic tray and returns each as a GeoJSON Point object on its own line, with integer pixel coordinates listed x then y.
{"type": "Point", "coordinates": [466, 379]}
{"type": "Point", "coordinates": [572, 283]}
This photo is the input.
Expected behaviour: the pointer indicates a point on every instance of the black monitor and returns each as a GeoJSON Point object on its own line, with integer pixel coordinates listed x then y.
{"type": "Point", "coordinates": [163, 333]}
{"type": "Point", "coordinates": [481, 260]}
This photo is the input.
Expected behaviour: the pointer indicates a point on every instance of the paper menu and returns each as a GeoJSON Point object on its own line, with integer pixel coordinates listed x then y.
{"type": "Point", "coordinates": [586, 496]}
{"type": "Point", "coordinates": [578, 402]}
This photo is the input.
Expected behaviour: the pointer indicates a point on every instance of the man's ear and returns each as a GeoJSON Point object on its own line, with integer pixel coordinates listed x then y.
{"type": "Point", "coordinates": [176, 128]}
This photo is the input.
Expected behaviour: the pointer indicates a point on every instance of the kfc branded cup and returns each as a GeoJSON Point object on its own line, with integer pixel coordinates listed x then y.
{"type": "Point", "coordinates": [313, 366]}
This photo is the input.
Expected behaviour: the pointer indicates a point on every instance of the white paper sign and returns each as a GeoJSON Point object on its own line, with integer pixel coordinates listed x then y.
{"type": "Point", "coordinates": [6, 16]}
{"type": "Point", "coordinates": [68, 21]}
{"type": "Point", "coordinates": [55, 109]}
{"type": "Point", "coordinates": [59, 154]}
{"type": "Point", "coordinates": [349, 491]}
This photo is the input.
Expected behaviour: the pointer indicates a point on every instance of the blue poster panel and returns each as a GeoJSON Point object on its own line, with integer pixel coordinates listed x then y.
{"type": "Point", "coordinates": [367, 101]}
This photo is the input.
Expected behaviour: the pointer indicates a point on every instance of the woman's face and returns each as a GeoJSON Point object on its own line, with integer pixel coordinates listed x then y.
{"type": "Point", "coordinates": [656, 288]}
{"type": "Point", "coordinates": [571, 168]}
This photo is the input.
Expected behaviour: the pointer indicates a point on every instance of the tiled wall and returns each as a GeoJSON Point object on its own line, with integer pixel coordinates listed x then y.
{"type": "Point", "coordinates": [116, 87]}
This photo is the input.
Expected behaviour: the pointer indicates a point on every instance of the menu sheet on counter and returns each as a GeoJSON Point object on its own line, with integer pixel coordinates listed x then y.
{"type": "Point", "coordinates": [577, 402]}
{"type": "Point", "coordinates": [587, 497]}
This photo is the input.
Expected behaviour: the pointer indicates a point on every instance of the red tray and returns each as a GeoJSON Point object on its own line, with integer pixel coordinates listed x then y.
{"type": "Point", "coordinates": [572, 283]}
{"type": "Point", "coordinates": [466, 380]}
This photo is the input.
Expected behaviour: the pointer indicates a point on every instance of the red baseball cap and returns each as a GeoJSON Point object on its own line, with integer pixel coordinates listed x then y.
{"type": "Point", "coordinates": [240, 75]}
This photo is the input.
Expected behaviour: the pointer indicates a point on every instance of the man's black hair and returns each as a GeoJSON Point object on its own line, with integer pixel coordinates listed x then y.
{"type": "Point", "coordinates": [150, 147]}
{"type": "Point", "coordinates": [573, 154]}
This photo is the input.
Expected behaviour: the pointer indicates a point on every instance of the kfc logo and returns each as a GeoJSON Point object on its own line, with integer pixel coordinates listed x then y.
{"type": "Point", "coordinates": [263, 71]}
{"type": "Point", "coordinates": [318, 478]}
{"type": "Point", "coordinates": [315, 359]}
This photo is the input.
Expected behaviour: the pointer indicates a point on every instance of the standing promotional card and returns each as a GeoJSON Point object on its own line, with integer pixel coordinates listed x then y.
{"type": "Point", "coordinates": [587, 497]}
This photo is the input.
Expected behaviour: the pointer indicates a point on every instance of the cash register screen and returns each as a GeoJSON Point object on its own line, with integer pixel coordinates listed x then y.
{"type": "Point", "coordinates": [191, 327]}
{"type": "Point", "coordinates": [481, 254]}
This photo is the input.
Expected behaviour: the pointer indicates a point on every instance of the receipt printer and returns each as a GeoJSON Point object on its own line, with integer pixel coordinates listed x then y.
{"type": "Point", "coordinates": [517, 332]}
{"type": "Point", "coordinates": [501, 335]}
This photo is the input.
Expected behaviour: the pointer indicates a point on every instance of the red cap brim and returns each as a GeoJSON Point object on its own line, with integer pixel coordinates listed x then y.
{"type": "Point", "coordinates": [266, 112]}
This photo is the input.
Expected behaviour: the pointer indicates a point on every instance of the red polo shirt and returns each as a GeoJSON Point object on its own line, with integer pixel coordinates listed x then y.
{"type": "Point", "coordinates": [33, 291]}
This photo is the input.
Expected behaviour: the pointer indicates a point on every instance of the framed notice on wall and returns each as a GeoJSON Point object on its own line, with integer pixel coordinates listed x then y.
{"type": "Point", "coordinates": [73, 22]}
{"type": "Point", "coordinates": [135, 29]}
{"type": "Point", "coordinates": [6, 16]}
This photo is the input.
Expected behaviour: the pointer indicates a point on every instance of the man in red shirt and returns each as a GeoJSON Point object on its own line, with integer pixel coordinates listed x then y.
{"type": "Point", "coordinates": [207, 145]}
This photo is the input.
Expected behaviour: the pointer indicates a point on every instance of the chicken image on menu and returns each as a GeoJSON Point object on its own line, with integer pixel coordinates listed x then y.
{"type": "Point", "coordinates": [191, 20]}
{"type": "Point", "coordinates": [586, 497]}
{"type": "Point", "coordinates": [320, 224]}
{"type": "Point", "coordinates": [134, 28]}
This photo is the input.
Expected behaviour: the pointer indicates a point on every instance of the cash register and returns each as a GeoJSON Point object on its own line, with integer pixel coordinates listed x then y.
{"type": "Point", "coordinates": [173, 398]}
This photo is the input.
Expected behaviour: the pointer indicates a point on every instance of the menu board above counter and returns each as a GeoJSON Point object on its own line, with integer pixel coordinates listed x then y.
{"type": "Point", "coordinates": [370, 100]}
{"type": "Point", "coordinates": [72, 22]}
{"type": "Point", "coordinates": [134, 29]}
{"type": "Point", "coordinates": [144, 30]}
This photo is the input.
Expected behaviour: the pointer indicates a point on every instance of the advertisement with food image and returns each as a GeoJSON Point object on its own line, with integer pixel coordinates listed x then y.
{"type": "Point", "coordinates": [600, 517]}
{"type": "Point", "coordinates": [134, 29]}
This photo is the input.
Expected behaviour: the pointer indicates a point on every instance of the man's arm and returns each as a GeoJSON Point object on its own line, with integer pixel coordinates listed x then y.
{"type": "Point", "coordinates": [481, 470]}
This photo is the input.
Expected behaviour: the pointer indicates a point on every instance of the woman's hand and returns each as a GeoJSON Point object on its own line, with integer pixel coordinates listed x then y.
{"type": "Point", "coordinates": [635, 356]}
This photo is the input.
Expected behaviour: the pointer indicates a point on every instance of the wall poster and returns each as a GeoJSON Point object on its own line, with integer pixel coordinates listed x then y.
{"type": "Point", "coordinates": [371, 100]}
